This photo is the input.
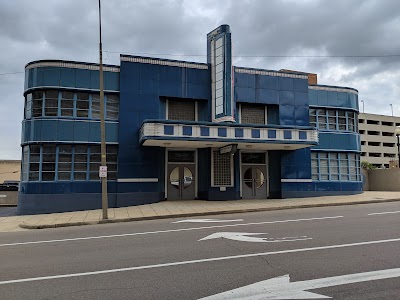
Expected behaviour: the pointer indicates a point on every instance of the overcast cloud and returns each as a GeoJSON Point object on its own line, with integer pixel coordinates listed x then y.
{"type": "Point", "coordinates": [67, 29]}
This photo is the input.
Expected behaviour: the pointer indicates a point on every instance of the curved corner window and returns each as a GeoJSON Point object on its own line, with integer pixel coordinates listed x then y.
{"type": "Point", "coordinates": [334, 119]}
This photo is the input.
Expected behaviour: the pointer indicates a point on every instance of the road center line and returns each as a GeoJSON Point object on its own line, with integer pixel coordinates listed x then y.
{"type": "Point", "coordinates": [385, 213]}
{"type": "Point", "coordinates": [178, 263]}
{"type": "Point", "coordinates": [163, 231]}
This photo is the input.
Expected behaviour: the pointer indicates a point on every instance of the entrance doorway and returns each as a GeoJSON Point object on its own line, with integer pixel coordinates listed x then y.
{"type": "Point", "coordinates": [181, 175]}
{"type": "Point", "coordinates": [254, 176]}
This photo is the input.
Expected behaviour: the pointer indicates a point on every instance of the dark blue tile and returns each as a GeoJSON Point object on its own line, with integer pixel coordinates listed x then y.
{"type": "Point", "coordinates": [272, 134]}
{"type": "Point", "coordinates": [204, 131]}
{"type": "Point", "coordinates": [287, 135]}
{"type": "Point", "coordinates": [255, 133]}
{"type": "Point", "coordinates": [302, 135]}
{"type": "Point", "coordinates": [168, 129]}
{"type": "Point", "coordinates": [187, 130]}
{"type": "Point", "coordinates": [222, 132]}
{"type": "Point", "coordinates": [239, 132]}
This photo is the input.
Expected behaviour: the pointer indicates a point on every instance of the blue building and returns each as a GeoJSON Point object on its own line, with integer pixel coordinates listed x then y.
{"type": "Point", "coordinates": [183, 130]}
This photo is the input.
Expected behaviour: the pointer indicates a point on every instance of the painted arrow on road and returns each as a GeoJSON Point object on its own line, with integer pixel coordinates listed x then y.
{"type": "Point", "coordinates": [206, 221]}
{"type": "Point", "coordinates": [249, 237]}
{"type": "Point", "coordinates": [281, 287]}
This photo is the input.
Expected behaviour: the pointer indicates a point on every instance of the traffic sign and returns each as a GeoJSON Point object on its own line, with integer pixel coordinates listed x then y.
{"type": "Point", "coordinates": [103, 171]}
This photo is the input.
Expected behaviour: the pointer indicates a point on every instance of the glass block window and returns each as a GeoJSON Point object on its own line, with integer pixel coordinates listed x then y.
{"type": "Point", "coordinates": [252, 114]}
{"type": "Point", "coordinates": [51, 103]}
{"type": "Point", "coordinates": [112, 107]}
{"type": "Point", "coordinates": [25, 163]}
{"type": "Point", "coordinates": [37, 104]}
{"type": "Point", "coordinates": [80, 162]}
{"type": "Point", "coordinates": [64, 162]}
{"type": "Point", "coordinates": [67, 104]}
{"type": "Point", "coordinates": [182, 110]}
{"type": "Point", "coordinates": [333, 119]}
{"type": "Point", "coordinates": [335, 166]}
{"type": "Point", "coordinates": [82, 105]}
{"type": "Point", "coordinates": [34, 162]}
{"type": "Point", "coordinates": [48, 162]}
{"type": "Point", "coordinates": [222, 165]}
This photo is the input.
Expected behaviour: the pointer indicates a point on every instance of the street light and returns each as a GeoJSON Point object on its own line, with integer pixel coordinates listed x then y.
{"type": "Point", "coordinates": [391, 106]}
{"type": "Point", "coordinates": [397, 133]}
{"type": "Point", "coordinates": [103, 167]}
{"type": "Point", "coordinates": [362, 101]}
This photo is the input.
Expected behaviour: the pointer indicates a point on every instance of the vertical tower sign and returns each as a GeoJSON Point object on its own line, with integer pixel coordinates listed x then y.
{"type": "Point", "coordinates": [219, 58]}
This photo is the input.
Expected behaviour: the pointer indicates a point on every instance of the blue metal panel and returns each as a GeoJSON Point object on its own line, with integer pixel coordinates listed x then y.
{"type": "Point", "coordinates": [245, 80]}
{"type": "Point", "coordinates": [267, 96]}
{"type": "Point", "coordinates": [243, 94]}
{"type": "Point", "coordinates": [51, 76]}
{"type": "Point", "coordinates": [287, 116]}
{"type": "Point", "coordinates": [300, 85]}
{"type": "Point", "coordinates": [112, 132]}
{"type": "Point", "coordinates": [94, 132]}
{"type": "Point", "coordinates": [94, 80]}
{"type": "Point", "coordinates": [81, 131]}
{"type": "Point", "coordinates": [313, 97]}
{"type": "Point", "coordinates": [149, 87]}
{"type": "Point", "coordinates": [286, 84]}
{"type": "Point", "coordinates": [67, 77]}
{"type": "Point", "coordinates": [82, 78]}
{"type": "Point", "coordinates": [65, 131]}
{"type": "Point", "coordinates": [286, 98]}
{"type": "Point", "coordinates": [49, 130]}
{"type": "Point", "coordinates": [322, 98]}
{"type": "Point", "coordinates": [301, 115]}
{"type": "Point", "coordinates": [301, 98]}
{"type": "Point", "coordinates": [267, 82]}
{"type": "Point", "coordinates": [338, 141]}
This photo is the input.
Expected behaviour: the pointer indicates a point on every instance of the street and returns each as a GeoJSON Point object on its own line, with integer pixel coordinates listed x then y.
{"type": "Point", "coordinates": [343, 252]}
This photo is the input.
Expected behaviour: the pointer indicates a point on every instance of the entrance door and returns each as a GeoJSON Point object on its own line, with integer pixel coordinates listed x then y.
{"type": "Point", "coordinates": [254, 176]}
{"type": "Point", "coordinates": [181, 182]}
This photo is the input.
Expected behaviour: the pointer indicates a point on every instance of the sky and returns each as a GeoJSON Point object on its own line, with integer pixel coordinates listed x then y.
{"type": "Point", "coordinates": [353, 43]}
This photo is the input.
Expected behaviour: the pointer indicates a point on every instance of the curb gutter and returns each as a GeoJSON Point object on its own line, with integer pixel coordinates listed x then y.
{"type": "Point", "coordinates": [210, 213]}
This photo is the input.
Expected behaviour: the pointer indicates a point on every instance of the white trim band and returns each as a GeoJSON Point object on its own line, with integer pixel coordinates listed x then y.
{"type": "Point", "coordinates": [331, 89]}
{"type": "Point", "coordinates": [181, 64]}
{"type": "Point", "coordinates": [72, 65]}
{"type": "Point", "coordinates": [270, 73]}
{"type": "Point", "coordinates": [296, 180]}
{"type": "Point", "coordinates": [137, 180]}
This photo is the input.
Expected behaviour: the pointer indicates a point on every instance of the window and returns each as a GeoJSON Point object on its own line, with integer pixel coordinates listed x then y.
{"type": "Point", "coordinates": [182, 110]}
{"type": "Point", "coordinates": [28, 106]}
{"type": "Point", "coordinates": [335, 166]}
{"type": "Point", "coordinates": [82, 105]}
{"type": "Point", "coordinates": [64, 162]}
{"type": "Point", "coordinates": [67, 104]}
{"type": "Point", "coordinates": [34, 162]}
{"type": "Point", "coordinates": [37, 103]}
{"type": "Point", "coordinates": [95, 162]}
{"type": "Point", "coordinates": [69, 162]}
{"type": "Point", "coordinates": [332, 119]}
{"type": "Point", "coordinates": [252, 114]}
{"type": "Point", "coordinates": [25, 163]}
{"type": "Point", "coordinates": [112, 107]}
{"type": "Point", "coordinates": [80, 162]}
{"type": "Point", "coordinates": [222, 174]}
{"type": "Point", "coordinates": [51, 103]}
{"type": "Point", "coordinates": [48, 162]}
{"type": "Point", "coordinates": [95, 106]}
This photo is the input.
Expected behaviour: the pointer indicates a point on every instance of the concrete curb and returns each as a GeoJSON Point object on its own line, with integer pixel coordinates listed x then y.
{"type": "Point", "coordinates": [210, 213]}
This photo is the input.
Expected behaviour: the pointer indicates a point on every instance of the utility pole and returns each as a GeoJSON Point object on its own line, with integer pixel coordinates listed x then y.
{"type": "Point", "coordinates": [362, 101]}
{"type": "Point", "coordinates": [103, 167]}
{"type": "Point", "coordinates": [391, 105]}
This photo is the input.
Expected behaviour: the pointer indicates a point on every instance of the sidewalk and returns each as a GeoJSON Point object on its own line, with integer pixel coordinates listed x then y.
{"type": "Point", "coordinates": [180, 209]}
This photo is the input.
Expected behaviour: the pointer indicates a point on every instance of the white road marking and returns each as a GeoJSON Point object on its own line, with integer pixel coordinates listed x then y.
{"type": "Point", "coordinates": [163, 231]}
{"type": "Point", "coordinates": [281, 287]}
{"type": "Point", "coordinates": [244, 237]}
{"type": "Point", "coordinates": [206, 221]}
{"type": "Point", "coordinates": [180, 263]}
{"type": "Point", "coordinates": [385, 213]}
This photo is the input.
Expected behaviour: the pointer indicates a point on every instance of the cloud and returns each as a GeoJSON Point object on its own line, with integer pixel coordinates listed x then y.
{"type": "Point", "coordinates": [68, 29]}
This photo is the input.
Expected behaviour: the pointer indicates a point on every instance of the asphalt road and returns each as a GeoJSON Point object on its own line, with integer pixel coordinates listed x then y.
{"type": "Point", "coordinates": [355, 248]}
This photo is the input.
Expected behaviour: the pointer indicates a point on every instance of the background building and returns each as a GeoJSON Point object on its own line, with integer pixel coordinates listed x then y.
{"type": "Point", "coordinates": [10, 170]}
{"type": "Point", "coordinates": [184, 130]}
{"type": "Point", "coordinates": [378, 141]}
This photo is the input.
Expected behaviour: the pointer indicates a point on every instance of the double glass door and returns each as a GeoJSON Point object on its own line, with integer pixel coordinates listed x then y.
{"type": "Point", "coordinates": [181, 175]}
{"type": "Point", "coordinates": [254, 178]}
